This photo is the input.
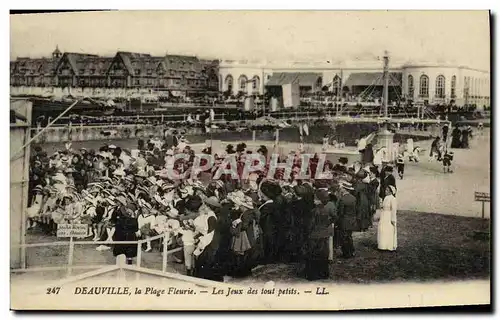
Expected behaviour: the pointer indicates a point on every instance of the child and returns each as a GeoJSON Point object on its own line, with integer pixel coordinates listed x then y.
{"type": "Point", "coordinates": [413, 156]}
{"type": "Point", "coordinates": [447, 159]}
{"type": "Point", "coordinates": [400, 164]}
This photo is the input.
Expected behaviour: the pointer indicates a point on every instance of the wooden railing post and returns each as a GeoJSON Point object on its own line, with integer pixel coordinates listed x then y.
{"type": "Point", "coordinates": [139, 253]}
{"type": "Point", "coordinates": [70, 256]}
{"type": "Point", "coordinates": [165, 249]}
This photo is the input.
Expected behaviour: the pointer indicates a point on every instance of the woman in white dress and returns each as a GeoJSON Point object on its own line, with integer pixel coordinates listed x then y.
{"type": "Point", "coordinates": [387, 226]}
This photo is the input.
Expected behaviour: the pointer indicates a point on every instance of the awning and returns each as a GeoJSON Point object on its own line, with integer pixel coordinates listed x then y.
{"type": "Point", "coordinates": [367, 79]}
{"type": "Point", "coordinates": [302, 78]}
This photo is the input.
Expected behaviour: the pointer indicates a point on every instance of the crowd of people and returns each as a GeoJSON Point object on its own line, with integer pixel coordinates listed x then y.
{"type": "Point", "coordinates": [226, 226]}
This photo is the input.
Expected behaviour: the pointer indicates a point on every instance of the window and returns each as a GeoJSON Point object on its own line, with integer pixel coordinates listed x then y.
{"type": "Point", "coordinates": [149, 81]}
{"type": "Point", "coordinates": [453, 86]}
{"type": "Point", "coordinates": [137, 72]}
{"type": "Point", "coordinates": [150, 71]}
{"type": "Point", "coordinates": [243, 82]}
{"type": "Point", "coordinates": [92, 71]}
{"type": "Point", "coordinates": [255, 82]}
{"type": "Point", "coordinates": [440, 86]}
{"type": "Point", "coordinates": [81, 71]}
{"type": "Point", "coordinates": [172, 72]}
{"type": "Point", "coordinates": [424, 86]}
{"type": "Point", "coordinates": [229, 83]}
{"type": "Point", "coordinates": [137, 82]}
{"type": "Point", "coordinates": [411, 87]}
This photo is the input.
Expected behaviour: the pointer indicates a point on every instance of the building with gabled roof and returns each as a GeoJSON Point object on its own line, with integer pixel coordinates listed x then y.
{"type": "Point", "coordinates": [185, 74]}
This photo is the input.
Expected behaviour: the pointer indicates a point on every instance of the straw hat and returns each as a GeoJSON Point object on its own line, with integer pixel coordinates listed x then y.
{"type": "Point", "coordinates": [393, 190]}
{"type": "Point", "coordinates": [141, 174]}
{"type": "Point", "coordinates": [213, 201]}
{"type": "Point", "coordinates": [240, 199]}
{"type": "Point", "coordinates": [122, 200]}
{"type": "Point", "coordinates": [110, 200]}
{"type": "Point", "coordinates": [346, 185]}
{"type": "Point", "coordinates": [119, 172]}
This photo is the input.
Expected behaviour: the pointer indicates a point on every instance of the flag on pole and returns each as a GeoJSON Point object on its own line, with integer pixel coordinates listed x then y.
{"type": "Point", "coordinates": [300, 130]}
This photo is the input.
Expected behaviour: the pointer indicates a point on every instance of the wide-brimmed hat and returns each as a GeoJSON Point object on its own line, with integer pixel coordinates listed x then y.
{"type": "Point", "coordinates": [111, 200]}
{"type": "Point", "coordinates": [129, 179]}
{"type": "Point", "coordinates": [212, 201]}
{"type": "Point", "coordinates": [393, 189]}
{"type": "Point", "coordinates": [151, 180]}
{"type": "Point", "coordinates": [361, 174]}
{"type": "Point", "coordinates": [119, 172]}
{"type": "Point", "coordinates": [239, 198]}
{"type": "Point", "coordinates": [91, 199]}
{"type": "Point", "coordinates": [161, 200]}
{"type": "Point", "coordinates": [141, 174]}
{"type": "Point", "coordinates": [270, 189]}
{"type": "Point", "coordinates": [122, 200]}
{"type": "Point", "coordinates": [186, 190]}
{"type": "Point", "coordinates": [345, 185]}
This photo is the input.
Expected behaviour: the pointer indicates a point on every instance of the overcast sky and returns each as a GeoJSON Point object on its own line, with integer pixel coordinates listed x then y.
{"type": "Point", "coordinates": [460, 37]}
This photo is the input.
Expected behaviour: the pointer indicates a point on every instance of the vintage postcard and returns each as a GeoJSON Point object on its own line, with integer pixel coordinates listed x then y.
{"type": "Point", "coordinates": [249, 160]}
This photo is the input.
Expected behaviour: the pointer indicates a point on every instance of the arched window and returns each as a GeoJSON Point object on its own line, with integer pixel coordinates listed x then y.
{"type": "Point", "coordinates": [243, 82]}
{"type": "Point", "coordinates": [229, 82]}
{"type": "Point", "coordinates": [453, 86]}
{"type": "Point", "coordinates": [255, 82]}
{"type": "Point", "coordinates": [424, 86]}
{"type": "Point", "coordinates": [411, 86]}
{"type": "Point", "coordinates": [440, 86]}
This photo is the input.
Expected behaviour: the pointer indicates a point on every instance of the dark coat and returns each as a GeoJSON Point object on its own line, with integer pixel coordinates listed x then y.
{"type": "Point", "coordinates": [269, 213]}
{"type": "Point", "coordinates": [347, 215]}
{"type": "Point", "coordinates": [367, 155]}
{"type": "Point", "coordinates": [363, 212]}
{"type": "Point", "coordinates": [372, 195]}
{"type": "Point", "coordinates": [125, 229]}
{"type": "Point", "coordinates": [207, 265]}
{"type": "Point", "coordinates": [317, 251]}
{"type": "Point", "coordinates": [455, 138]}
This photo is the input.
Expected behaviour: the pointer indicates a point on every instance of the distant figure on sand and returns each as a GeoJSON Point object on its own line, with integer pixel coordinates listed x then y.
{"type": "Point", "coordinates": [325, 143]}
{"type": "Point", "coordinates": [436, 149]}
{"type": "Point", "coordinates": [455, 137]}
{"type": "Point", "coordinates": [465, 138]}
{"type": "Point", "coordinates": [447, 159]}
{"type": "Point", "coordinates": [445, 132]}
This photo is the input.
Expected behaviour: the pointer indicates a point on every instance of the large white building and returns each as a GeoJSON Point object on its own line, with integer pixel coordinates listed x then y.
{"type": "Point", "coordinates": [443, 84]}
{"type": "Point", "coordinates": [424, 82]}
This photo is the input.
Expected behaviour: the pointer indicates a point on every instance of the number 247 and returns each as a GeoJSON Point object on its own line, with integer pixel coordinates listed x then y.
{"type": "Point", "coordinates": [54, 290]}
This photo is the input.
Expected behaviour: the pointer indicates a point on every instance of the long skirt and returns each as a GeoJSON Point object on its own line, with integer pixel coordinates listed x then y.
{"type": "Point", "coordinates": [129, 250]}
{"type": "Point", "coordinates": [316, 267]}
{"type": "Point", "coordinates": [455, 142]}
{"type": "Point", "coordinates": [206, 266]}
{"type": "Point", "coordinates": [386, 233]}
